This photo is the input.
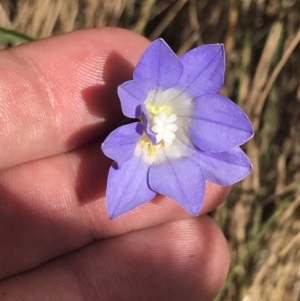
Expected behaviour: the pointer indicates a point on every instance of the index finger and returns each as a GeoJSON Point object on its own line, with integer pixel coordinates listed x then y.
{"type": "Point", "coordinates": [59, 93]}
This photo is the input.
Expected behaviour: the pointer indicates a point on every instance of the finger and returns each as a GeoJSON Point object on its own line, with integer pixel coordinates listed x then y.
{"type": "Point", "coordinates": [186, 260]}
{"type": "Point", "coordinates": [61, 92]}
{"type": "Point", "coordinates": [65, 208]}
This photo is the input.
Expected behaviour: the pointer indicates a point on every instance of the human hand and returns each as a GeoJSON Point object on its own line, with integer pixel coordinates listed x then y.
{"type": "Point", "coordinates": [58, 101]}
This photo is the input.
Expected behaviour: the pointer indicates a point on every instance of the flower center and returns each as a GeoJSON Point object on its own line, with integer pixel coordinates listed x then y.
{"type": "Point", "coordinates": [169, 115]}
{"type": "Point", "coordinates": [164, 128]}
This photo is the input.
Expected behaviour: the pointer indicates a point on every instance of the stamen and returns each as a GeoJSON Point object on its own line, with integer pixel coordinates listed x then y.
{"type": "Point", "coordinates": [171, 119]}
{"type": "Point", "coordinates": [165, 128]}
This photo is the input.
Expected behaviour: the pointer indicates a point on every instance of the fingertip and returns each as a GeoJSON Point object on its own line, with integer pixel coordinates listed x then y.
{"type": "Point", "coordinates": [190, 258]}
{"type": "Point", "coordinates": [217, 263]}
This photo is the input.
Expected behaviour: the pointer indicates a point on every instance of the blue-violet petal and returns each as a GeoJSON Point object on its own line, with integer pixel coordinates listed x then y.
{"type": "Point", "coordinates": [225, 168]}
{"type": "Point", "coordinates": [181, 180]}
{"type": "Point", "coordinates": [204, 69]}
{"type": "Point", "coordinates": [127, 187]}
{"type": "Point", "coordinates": [218, 124]}
{"type": "Point", "coordinates": [160, 65]}
{"type": "Point", "coordinates": [120, 144]}
{"type": "Point", "coordinates": [132, 94]}
{"type": "Point", "coordinates": [147, 124]}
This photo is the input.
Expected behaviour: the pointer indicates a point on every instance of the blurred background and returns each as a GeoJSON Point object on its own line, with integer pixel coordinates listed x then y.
{"type": "Point", "coordinates": [261, 216]}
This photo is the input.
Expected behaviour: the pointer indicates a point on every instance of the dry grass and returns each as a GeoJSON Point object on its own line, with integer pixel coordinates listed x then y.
{"type": "Point", "coordinates": [261, 37]}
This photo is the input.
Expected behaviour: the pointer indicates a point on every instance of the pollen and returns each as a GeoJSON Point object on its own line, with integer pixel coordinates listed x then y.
{"type": "Point", "coordinates": [155, 110]}
{"type": "Point", "coordinates": [163, 126]}
{"type": "Point", "coordinates": [149, 147]}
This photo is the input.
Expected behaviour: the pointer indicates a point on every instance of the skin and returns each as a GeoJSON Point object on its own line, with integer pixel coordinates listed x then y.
{"type": "Point", "coordinates": [58, 101]}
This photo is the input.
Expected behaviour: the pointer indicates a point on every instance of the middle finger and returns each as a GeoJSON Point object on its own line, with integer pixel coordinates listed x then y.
{"type": "Point", "coordinates": [55, 205]}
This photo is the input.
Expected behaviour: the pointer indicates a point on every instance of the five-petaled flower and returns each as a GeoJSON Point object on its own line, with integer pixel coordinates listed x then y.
{"type": "Point", "coordinates": [187, 133]}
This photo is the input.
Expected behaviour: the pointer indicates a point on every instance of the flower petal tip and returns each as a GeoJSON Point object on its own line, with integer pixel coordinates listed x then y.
{"type": "Point", "coordinates": [205, 70]}
{"type": "Point", "coordinates": [127, 187]}
{"type": "Point", "coordinates": [195, 211]}
{"type": "Point", "coordinates": [114, 146]}
{"type": "Point", "coordinates": [112, 214]}
{"type": "Point", "coordinates": [160, 65]}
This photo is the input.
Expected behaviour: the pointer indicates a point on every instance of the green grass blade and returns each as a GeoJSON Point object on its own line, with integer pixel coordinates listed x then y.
{"type": "Point", "coordinates": [13, 37]}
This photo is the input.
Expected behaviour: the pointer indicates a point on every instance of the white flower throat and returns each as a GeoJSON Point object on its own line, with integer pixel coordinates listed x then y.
{"type": "Point", "coordinates": [163, 126]}
{"type": "Point", "coordinates": [166, 110]}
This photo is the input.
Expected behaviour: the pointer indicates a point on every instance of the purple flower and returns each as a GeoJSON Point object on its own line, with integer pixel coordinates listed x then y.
{"type": "Point", "coordinates": [187, 133]}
